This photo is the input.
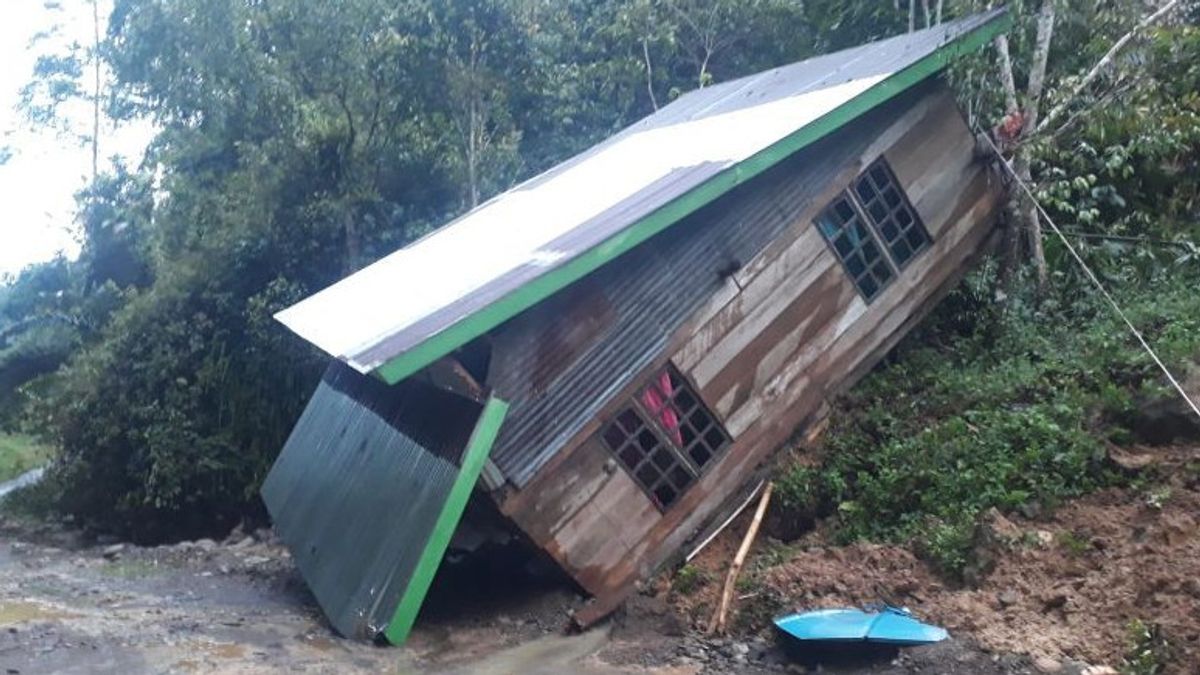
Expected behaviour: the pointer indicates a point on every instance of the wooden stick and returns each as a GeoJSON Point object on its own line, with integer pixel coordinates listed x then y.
{"type": "Point", "coordinates": [717, 624]}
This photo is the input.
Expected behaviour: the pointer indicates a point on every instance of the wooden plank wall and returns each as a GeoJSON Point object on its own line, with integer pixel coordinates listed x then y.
{"type": "Point", "coordinates": [790, 332]}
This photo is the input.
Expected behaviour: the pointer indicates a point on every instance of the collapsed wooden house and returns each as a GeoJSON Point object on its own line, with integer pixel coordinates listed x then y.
{"type": "Point", "coordinates": [612, 351]}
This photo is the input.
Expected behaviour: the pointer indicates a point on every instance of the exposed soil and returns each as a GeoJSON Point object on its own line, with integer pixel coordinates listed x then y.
{"type": "Point", "coordinates": [1064, 591]}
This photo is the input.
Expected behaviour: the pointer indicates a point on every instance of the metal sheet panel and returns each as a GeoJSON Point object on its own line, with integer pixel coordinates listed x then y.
{"type": "Point", "coordinates": [543, 225]}
{"type": "Point", "coordinates": [645, 296]}
{"type": "Point", "coordinates": [358, 489]}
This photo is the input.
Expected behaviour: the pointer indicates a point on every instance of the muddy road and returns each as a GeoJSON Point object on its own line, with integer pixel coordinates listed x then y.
{"type": "Point", "coordinates": [239, 607]}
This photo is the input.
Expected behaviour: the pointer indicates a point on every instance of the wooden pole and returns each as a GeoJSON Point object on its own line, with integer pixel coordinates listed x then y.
{"type": "Point", "coordinates": [717, 624]}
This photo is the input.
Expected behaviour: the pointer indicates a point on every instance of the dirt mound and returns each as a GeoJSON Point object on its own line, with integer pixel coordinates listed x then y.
{"type": "Point", "coordinates": [1067, 590]}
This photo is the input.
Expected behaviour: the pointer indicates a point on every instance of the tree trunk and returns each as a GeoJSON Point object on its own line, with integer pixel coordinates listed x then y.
{"type": "Point", "coordinates": [1007, 82]}
{"type": "Point", "coordinates": [649, 74]}
{"type": "Point", "coordinates": [1037, 79]}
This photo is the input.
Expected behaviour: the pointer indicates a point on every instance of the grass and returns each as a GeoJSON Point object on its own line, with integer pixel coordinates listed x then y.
{"type": "Point", "coordinates": [20, 453]}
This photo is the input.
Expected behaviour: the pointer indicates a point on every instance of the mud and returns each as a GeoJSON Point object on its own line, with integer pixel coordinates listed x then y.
{"type": "Point", "coordinates": [1064, 593]}
{"type": "Point", "coordinates": [1061, 598]}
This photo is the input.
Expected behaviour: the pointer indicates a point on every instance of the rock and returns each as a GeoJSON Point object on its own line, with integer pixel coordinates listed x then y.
{"type": "Point", "coordinates": [243, 543]}
{"type": "Point", "coordinates": [993, 535]}
{"type": "Point", "coordinates": [1177, 528]}
{"type": "Point", "coordinates": [1054, 600]}
{"type": "Point", "coordinates": [256, 560]}
{"type": "Point", "coordinates": [740, 649]}
{"type": "Point", "coordinates": [1045, 538]}
{"type": "Point", "coordinates": [223, 569]}
{"type": "Point", "coordinates": [1099, 670]}
{"type": "Point", "coordinates": [236, 534]}
{"type": "Point", "coordinates": [205, 544]}
{"type": "Point", "coordinates": [1129, 460]}
{"type": "Point", "coordinates": [1166, 418]}
{"type": "Point", "coordinates": [114, 551]}
{"type": "Point", "coordinates": [1008, 598]}
{"type": "Point", "coordinates": [1046, 664]}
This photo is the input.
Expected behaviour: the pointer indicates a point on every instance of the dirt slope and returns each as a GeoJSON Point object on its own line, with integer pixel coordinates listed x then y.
{"type": "Point", "coordinates": [1066, 590]}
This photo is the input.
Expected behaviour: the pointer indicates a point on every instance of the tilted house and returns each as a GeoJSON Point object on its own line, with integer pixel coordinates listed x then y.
{"type": "Point", "coordinates": [619, 345]}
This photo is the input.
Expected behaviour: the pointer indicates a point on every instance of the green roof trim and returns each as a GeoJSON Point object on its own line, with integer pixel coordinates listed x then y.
{"type": "Point", "coordinates": [476, 454]}
{"type": "Point", "coordinates": [542, 287]}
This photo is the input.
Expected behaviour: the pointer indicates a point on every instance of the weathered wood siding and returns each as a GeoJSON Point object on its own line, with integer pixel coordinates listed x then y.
{"type": "Point", "coordinates": [772, 343]}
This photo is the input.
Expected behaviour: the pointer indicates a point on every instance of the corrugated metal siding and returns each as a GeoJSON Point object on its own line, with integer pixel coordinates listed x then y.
{"type": "Point", "coordinates": [650, 292]}
{"type": "Point", "coordinates": [355, 496]}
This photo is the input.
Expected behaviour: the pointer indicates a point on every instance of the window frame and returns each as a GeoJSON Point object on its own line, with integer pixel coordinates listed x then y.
{"type": "Point", "coordinates": [681, 454]}
{"type": "Point", "coordinates": [873, 226]}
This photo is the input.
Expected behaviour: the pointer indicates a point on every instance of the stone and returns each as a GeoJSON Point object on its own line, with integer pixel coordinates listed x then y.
{"type": "Point", "coordinates": [740, 648]}
{"type": "Point", "coordinates": [1046, 664]}
{"type": "Point", "coordinates": [1008, 598]}
{"type": "Point", "coordinates": [1099, 670]}
{"type": "Point", "coordinates": [256, 560]}
{"type": "Point", "coordinates": [114, 551]}
{"type": "Point", "coordinates": [243, 543]}
{"type": "Point", "coordinates": [205, 544]}
{"type": "Point", "coordinates": [994, 534]}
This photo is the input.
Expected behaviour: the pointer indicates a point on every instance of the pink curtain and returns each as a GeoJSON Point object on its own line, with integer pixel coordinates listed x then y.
{"type": "Point", "coordinates": [657, 399]}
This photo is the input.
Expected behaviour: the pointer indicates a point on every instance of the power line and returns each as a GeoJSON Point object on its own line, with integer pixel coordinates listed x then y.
{"type": "Point", "coordinates": [1092, 277]}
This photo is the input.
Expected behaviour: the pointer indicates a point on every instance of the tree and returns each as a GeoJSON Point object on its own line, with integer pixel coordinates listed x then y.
{"type": "Point", "coordinates": [1023, 122]}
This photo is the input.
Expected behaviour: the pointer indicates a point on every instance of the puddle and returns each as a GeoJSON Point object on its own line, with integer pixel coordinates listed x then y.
{"type": "Point", "coordinates": [222, 650]}
{"type": "Point", "coordinates": [548, 655]}
{"type": "Point", "coordinates": [21, 612]}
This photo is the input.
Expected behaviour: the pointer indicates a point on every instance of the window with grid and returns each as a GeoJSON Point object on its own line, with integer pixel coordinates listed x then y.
{"type": "Point", "coordinates": [665, 437]}
{"type": "Point", "coordinates": [874, 209]}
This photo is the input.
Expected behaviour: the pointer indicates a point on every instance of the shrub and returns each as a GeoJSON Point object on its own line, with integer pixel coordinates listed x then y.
{"type": "Point", "coordinates": [1007, 413]}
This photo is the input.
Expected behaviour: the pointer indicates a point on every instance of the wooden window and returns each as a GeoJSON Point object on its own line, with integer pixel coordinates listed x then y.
{"type": "Point", "coordinates": [874, 209]}
{"type": "Point", "coordinates": [887, 208]}
{"type": "Point", "coordinates": [856, 246]}
{"type": "Point", "coordinates": [665, 437]}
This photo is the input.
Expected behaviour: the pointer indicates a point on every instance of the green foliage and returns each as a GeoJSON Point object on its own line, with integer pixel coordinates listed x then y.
{"type": "Point", "coordinates": [688, 579]}
{"type": "Point", "coordinates": [1126, 163]}
{"type": "Point", "coordinates": [1003, 413]}
{"type": "Point", "coordinates": [1073, 543]}
{"type": "Point", "coordinates": [20, 453]}
{"type": "Point", "coordinates": [1149, 652]}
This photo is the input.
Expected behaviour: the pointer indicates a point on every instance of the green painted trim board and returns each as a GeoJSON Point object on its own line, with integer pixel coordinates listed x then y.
{"type": "Point", "coordinates": [478, 447]}
{"type": "Point", "coordinates": [470, 327]}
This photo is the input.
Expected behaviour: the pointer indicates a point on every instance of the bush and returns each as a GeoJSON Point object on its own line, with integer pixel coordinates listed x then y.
{"type": "Point", "coordinates": [1008, 412]}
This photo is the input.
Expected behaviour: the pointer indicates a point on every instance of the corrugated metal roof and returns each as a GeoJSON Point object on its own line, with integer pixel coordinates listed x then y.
{"type": "Point", "coordinates": [358, 489]}
{"type": "Point", "coordinates": [422, 301]}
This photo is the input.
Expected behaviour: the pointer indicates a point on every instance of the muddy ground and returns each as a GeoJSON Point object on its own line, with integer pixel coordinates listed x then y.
{"type": "Point", "coordinates": [1064, 587]}
{"type": "Point", "coordinates": [239, 607]}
